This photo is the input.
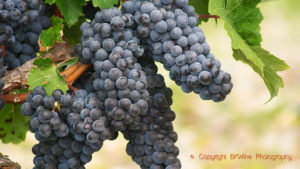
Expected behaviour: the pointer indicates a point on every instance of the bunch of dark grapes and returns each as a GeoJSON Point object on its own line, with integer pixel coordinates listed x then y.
{"type": "Point", "coordinates": [21, 22]}
{"type": "Point", "coordinates": [109, 42]}
{"type": "Point", "coordinates": [169, 33]}
{"type": "Point", "coordinates": [69, 128]}
{"type": "Point", "coordinates": [123, 91]}
{"type": "Point", "coordinates": [152, 144]}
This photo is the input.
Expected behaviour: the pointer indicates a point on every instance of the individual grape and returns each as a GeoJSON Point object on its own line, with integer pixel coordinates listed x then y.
{"type": "Point", "coordinates": [147, 7]}
{"type": "Point", "coordinates": [27, 49]}
{"type": "Point", "coordinates": [205, 78]}
{"type": "Point", "coordinates": [57, 94]}
{"type": "Point", "coordinates": [26, 109]}
{"type": "Point", "coordinates": [62, 131]}
{"type": "Point", "coordinates": [145, 19]}
{"type": "Point", "coordinates": [192, 21]}
{"type": "Point", "coordinates": [45, 116]}
{"type": "Point", "coordinates": [36, 101]}
{"type": "Point", "coordinates": [214, 88]}
{"type": "Point", "coordinates": [128, 7]}
{"type": "Point", "coordinates": [95, 45]}
{"type": "Point", "coordinates": [44, 130]}
{"type": "Point", "coordinates": [181, 21]}
{"type": "Point", "coordinates": [45, 22]}
{"type": "Point", "coordinates": [176, 50]}
{"type": "Point", "coordinates": [180, 60]}
{"type": "Point", "coordinates": [183, 42]}
{"type": "Point", "coordinates": [36, 27]}
{"type": "Point", "coordinates": [169, 60]}
{"type": "Point", "coordinates": [55, 123]}
{"type": "Point", "coordinates": [15, 14]}
{"type": "Point", "coordinates": [176, 33]}
{"type": "Point", "coordinates": [73, 162]}
{"type": "Point", "coordinates": [66, 100]}
{"type": "Point", "coordinates": [117, 23]}
{"type": "Point", "coordinates": [157, 48]}
{"type": "Point", "coordinates": [99, 125]}
{"type": "Point", "coordinates": [195, 68]}
{"type": "Point", "coordinates": [226, 88]}
{"type": "Point", "coordinates": [167, 46]}
{"type": "Point", "coordinates": [171, 24]}
{"type": "Point", "coordinates": [161, 26]}
{"type": "Point", "coordinates": [108, 44]}
{"type": "Point", "coordinates": [155, 36]}
{"type": "Point", "coordinates": [49, 102]}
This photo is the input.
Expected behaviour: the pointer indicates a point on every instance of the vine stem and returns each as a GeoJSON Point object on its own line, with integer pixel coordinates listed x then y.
{"type": "Point", "coordinates": [77, 73]}
{"type": "Point", "coordinates": [3, 51]}
{"type": "Point", "coordinates": [71, 74]}
{"type": "Point", "coordinates": [209, 16]}
{"type": "Point", "coordinates": [16, 98]}
{"type": "Point", "coordinates": [70, 70]}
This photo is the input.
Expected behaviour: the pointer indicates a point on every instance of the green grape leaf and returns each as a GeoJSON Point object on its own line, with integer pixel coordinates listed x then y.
{"type": "Point", "coordinates": [242, 19]}
{"type": "Point", "coordinates": [201, 7]}
{"type": "Point", "coordinates": [73, 34]}
{"type": "Point", "coordinates": [51, 35]}
{"type": "Point", "coordinates": [272, 80]}
{"type": "Point", "coordinates": [68, 63]}
{"type": "Point", "coordinates": [46, 75]}
{"type": "Point", "coordinates": [105, 3]}
{"type": "Point", "coordinates": [13, 125]}
{"type": "Point", "coordinates": [50, 1]}
{"type": "Point", "coordinates": [71, 10]}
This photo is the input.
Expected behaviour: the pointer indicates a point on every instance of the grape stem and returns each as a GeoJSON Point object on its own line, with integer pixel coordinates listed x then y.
{"type": "Point", "coordinates": [16, 98]}
{"type": "Point", "coordinates": [77, 73]}
{"type": "Point", "coordinates": [70, 70]}
{"type": "Point", "coordinates": [57, 12]}
{"type": "Point", "coordinates": [209, 16]}
{"type": "Point", "coordinates": [3, 51]}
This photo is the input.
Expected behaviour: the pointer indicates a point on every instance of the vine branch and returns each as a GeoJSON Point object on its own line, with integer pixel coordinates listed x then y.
{"type": "Point", "coordinates": [17, 78]}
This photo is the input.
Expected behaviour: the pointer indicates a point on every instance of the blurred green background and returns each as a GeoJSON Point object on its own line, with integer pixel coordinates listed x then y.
{"type": "Point", "coordinates": [240, 124]}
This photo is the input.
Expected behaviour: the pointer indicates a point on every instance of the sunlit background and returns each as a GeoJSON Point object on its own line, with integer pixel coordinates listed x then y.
{"type": "Point", "coordinates": [240, 124]}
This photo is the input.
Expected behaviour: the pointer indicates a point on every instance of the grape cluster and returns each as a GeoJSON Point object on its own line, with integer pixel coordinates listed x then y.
{"type": "Point", "coordinates": [169, 33]}
{"type": "Point", "coordinates": [123, 91]}
{"type": "Point", "coordinates": [69, 128]}
{"type": "Point", "coordinates": [21, 22]}
{"type": "Point", "coordinates": [109, 42]}
{"type": "Point", "coordinates": [152, 144]}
